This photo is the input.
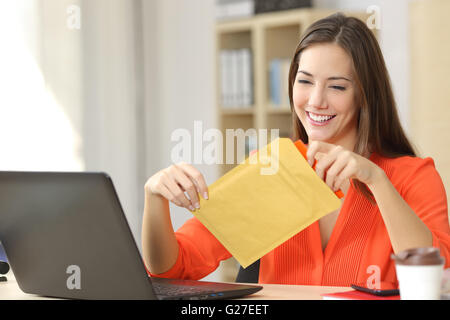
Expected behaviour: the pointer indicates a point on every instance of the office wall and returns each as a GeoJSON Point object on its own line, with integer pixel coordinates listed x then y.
{"type": "Point", "coordinates": [112, 125]}
{"type": "Point", "coordinates": [109, 92]}
{"type": "Point", "coordinates": [178, 39]}
{"type": "Point", "coordinates": [60, 56]}
{"type": "Point", "coordinates": [40, 120]}
{"type": "Point", "coordinates": [430, 95]}
{"type": "Point", "coordinates": [179, 45]}
{"type": "Point", "coordinates": [147, 72]}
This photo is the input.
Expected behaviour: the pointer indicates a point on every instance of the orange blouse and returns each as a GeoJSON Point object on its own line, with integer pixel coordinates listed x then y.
{"type": "Point", "coordinates": [359, 244]}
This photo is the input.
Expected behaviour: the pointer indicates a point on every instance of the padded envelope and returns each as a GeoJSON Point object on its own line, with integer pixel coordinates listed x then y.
{"type": "Point", "coordinates": [252, 213]}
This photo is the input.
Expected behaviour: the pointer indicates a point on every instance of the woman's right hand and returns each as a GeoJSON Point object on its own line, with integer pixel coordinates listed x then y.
{"type": "Point", "coordinates": [174, 181]}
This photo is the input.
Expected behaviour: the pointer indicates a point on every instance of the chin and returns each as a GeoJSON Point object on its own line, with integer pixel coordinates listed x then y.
{"type": "Point", "coordinates": [318, 137]}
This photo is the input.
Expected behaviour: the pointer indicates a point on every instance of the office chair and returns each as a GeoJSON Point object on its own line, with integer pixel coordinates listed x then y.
{"type": "Point", "coordinates": [249, 274]}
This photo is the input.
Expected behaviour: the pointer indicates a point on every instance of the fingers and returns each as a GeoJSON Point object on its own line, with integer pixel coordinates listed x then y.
{"type": "Point", "coordinates": [345, 175]}
{"type": "Point", "coordinates": [196, 177]}
{"type": "Point", "coordinates": [326, 160]}
{"type": "Point", "coordinates": [189, 187]}
{"type": "Point", "coordinates": [181, 184]}
{"type": "Point", "coordinates": [335, 165]}
{"type": "Point", "coordinates": [336, 174]}
{"type": "Point", "coordinates": [317, 146]}
{"type": "Point", "coordinates": [169, 195]}
{"type": "Point", "coordinates": [177, 189]}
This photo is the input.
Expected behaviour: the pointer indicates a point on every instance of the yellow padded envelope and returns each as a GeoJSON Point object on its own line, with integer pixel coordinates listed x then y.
{"type": "Point", "coordinates": [252, 213]}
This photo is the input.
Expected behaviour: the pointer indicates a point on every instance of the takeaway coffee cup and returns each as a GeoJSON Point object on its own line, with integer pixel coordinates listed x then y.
{"type": "Point", "coordinates": [419, 272]}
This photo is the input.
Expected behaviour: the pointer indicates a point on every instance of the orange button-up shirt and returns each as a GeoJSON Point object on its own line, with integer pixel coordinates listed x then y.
{"type": "Point", "coordinates": [359, 246]}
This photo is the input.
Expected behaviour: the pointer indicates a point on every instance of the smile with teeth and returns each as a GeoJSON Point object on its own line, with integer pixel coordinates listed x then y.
{"type": "Point", "coordinates": [319, 118]}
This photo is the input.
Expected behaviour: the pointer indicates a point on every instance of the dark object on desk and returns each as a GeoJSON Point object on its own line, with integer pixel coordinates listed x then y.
{"type": "Point", "coordinates": [67, 236]}
{"type": "Point", "coordinates": [356, 295]}
{"type": "Point", "coordinates": [249, 274]}
{"type": "Point", "coordinates": [4, 267]}
{"type": "Point", "coordinates": [263, 6]}
{"type": "Point", "coordinates": [384, 291]}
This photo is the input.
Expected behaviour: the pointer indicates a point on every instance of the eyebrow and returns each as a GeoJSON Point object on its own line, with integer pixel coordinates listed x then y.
{"type": "Point", "coordinates": [330, 78]}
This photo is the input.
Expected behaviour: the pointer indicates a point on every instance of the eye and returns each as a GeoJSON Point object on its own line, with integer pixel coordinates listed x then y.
{"type": "Point", "coordinates": [338, 88]}
{"type": "Point", "coordinates": [303, 81]}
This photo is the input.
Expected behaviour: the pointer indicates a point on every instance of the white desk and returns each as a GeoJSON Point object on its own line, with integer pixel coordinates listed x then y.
{"type": "Point", "coordinates": [10, 291]}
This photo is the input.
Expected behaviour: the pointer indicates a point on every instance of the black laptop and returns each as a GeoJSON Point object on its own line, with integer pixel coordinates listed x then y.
{"type": "Point", "coordinates": [65, 235]}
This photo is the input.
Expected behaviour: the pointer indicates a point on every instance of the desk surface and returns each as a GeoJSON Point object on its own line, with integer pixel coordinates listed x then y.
{"type": "Point", "coordinates": [293, 292]}
{"type": "Point", "coordinates": [10, 291]}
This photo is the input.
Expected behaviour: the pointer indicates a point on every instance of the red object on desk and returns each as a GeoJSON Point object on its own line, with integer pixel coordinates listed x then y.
{"type": "Point", "coordinates": [356, 295]}
{"type": "Point", "coordinates": [302, 148]}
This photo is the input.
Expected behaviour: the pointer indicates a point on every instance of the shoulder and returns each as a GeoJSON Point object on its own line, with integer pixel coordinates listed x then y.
{"type": "Point", "coordinates": [405, 172]}
{"type": "Point", "coordinates": [404, 164]}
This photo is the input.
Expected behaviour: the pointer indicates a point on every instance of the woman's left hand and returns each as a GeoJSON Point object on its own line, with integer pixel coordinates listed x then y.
{"type": "Point", "coordinates": [336, 165]}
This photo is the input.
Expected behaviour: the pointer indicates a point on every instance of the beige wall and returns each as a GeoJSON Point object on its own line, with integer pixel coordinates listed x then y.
{"type": "Point", "coordinates": [178, 40]}
{"type": "Point", "coordinates": [111, 98]}
{"type": "Point", "coordinates": [430, 83]}
{"type": "Point", "coordinates": [59, 56]}
{"type": "Point", "coordinates": [132, 73]}
{"type": "Point", "coordinates": [40, 102]}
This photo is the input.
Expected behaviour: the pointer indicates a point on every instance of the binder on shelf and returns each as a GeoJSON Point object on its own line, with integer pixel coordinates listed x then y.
{"type": "Point", "coordinates": [278, 83]}
{"type": "Point", "coordinates": [239, 78]}
{"type": "Point", "coordinates": [264, 6]}
{"type": "Point", "coordinates": [275, 82]}
{"type": "Point", "coordinates": [236, 78]}
{"type": "Point", "coordinates": [285, 65]}
{"type": "Point", "coordinates": [232, 9]}
{"type": "Point", "coordinates": [247, 85]}
{"type": "Point", "coordinates": [224, 81]}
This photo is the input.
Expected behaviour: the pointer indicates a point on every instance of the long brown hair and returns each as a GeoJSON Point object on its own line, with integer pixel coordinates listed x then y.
{"type": "Point", "coordinates": [379, 128]}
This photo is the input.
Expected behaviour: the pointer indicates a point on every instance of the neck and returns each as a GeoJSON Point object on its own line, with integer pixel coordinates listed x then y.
{"type": "Point", "coordinates": [348, 141]}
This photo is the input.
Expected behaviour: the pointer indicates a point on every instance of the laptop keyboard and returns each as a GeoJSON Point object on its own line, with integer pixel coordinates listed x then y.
{"type": "Point", "coordinates": [174, 290]}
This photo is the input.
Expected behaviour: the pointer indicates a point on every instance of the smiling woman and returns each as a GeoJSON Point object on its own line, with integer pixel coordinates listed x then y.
{"type": "Point", "coordinates": [342, 107]}
{"type": "Point", "coordinates": [338, 67]}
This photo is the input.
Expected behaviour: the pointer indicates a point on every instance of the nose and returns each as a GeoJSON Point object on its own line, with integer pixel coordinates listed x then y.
{"type": "Point", "coordinates": [317, 99]}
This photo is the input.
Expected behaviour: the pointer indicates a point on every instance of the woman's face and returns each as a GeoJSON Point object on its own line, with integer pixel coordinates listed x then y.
{"type": "Point", "coordinates": [324, 95]}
